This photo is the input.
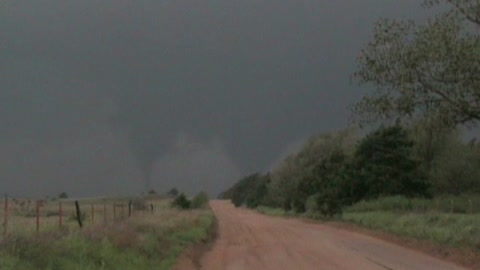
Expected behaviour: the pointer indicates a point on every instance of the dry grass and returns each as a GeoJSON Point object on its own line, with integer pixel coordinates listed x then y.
{"type": "Point", "coordinates": [144, 241]}
{"type": "Point", "coordinates": [22, 213]}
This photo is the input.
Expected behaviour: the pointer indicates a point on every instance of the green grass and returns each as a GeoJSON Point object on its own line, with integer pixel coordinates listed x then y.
{"type": "Point", "coordinates": [71, 252]}
{"type": "Point", "coordinates": [148, 242]}
{"type": "Point", "coordinates": [182, 239]}
{"type": "Point", "coordinates": [446, 220]}
{"type": "Point", "coordinates": [467, 204]}
{"type": "Point", "coordinates": [432, 220]}
{"type": "Point", "coordinates": [458, 230]}
{"type": "Point", "coordinates": [271, 211]}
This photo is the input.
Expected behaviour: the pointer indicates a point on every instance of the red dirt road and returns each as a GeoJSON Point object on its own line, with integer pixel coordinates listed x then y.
{"type": "Point", "coordinates": [251, 241]}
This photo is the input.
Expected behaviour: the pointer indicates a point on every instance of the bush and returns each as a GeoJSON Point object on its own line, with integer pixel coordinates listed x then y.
{"type": "Point", "coordinates": [329, 204]}
{"type": "Point", "coordinates": [200, 200]}
{"type": "Point", "coordinates": [456, 169]}
{"type": "Point", "coordinates": [182, 202]}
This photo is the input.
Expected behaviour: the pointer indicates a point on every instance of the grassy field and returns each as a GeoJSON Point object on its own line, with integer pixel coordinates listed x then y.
{"type": "Point", "coordinates": [22, 214]}
{"type": "Point", "coordinates": [142, 241]}
{"type": "Point", "coordinates": [452, 221]}
{"type": "Point", "coordinates": [464, 204]}
{"type": "Point", "coordinates": [458, 230]}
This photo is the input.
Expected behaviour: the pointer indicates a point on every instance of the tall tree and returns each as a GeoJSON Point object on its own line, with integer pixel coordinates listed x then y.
{"type": "Point", "coordinates": [299, 168]}
{"type": "Point", "coordinates": [430, 136]}
{"type": "Point", "coordinates": [420, 69]}
{"type": "Point", "coordinates": [384, 165]}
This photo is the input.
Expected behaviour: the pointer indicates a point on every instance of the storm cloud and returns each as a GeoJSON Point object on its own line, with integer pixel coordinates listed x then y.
{"type": "Point", "coordinates": [119, 96]}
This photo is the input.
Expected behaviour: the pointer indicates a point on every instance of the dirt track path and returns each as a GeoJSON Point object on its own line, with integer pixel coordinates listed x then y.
{"type": "Point", "coordinates": [251, 241]}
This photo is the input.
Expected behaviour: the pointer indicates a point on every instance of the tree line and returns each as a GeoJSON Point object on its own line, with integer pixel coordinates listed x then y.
{"type": "Point", "coordinates": [426, 89]}
{"type": "Point", "coordinates": [337, 169]}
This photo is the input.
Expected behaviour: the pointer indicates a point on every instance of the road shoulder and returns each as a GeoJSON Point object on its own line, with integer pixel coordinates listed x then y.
{"type": "Point", "coordinates": [461, 256]}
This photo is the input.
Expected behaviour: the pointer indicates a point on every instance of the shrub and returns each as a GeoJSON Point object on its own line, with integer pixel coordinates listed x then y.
{"type": "Point", "coordinates": [182, 202]}
{"type": "Point", "coordinates": [200, 200]}
{"type": "Point", "coordinates": [385, 166]}
{"type": "Point", "coordinates": [329, 204]}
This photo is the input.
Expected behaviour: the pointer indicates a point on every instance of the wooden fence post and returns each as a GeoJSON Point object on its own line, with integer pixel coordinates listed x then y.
{"type": "Point", "coordinates": [79, 214]}
{"type": "Point", "coordinates": [151, 208]}
{"type": "Point", "coordinates": [105, 213]}
{"type": "Point", "coordinates": [130, 208]}
{"type": "Point", "coordinates": [60, 214]}
{"type": "Point", "coordinates": [38, 216]}
{"type": "Point", "coordinates": [93, 214]}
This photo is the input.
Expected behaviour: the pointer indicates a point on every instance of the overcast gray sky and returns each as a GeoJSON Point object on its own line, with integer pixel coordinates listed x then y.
{"type": "Point", "coordinates": [98, 96]}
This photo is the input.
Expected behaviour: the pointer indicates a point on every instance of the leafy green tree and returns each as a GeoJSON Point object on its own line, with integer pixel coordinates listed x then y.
{"type": "Point", "coordinates": [420, 69]}
{"type": "Point", "coordinates": [430, 136]}
{"type": "Point", "coordinates": [456, 169]}
{"type": "Point", "coordinates": [384, 165]}
{"type": "Point", "coordinates": [246, 191]}
{"type": "Point", "coordinates": [295, 179]}
{"type": "Point", "coordinates": [327, 183]}
{"type": "Point", "coordinates": [259, 193]}
{"type": "Point", "coordinates": [284, 181]}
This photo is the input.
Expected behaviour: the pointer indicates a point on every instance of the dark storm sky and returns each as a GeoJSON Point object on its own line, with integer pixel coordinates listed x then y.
{"type": "Point", "coordinates": [97, 96]}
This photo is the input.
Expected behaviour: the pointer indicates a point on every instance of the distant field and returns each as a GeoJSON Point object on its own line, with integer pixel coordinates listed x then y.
{"type": "Point", "coordinates": [22, 213]}
{"type": "Point", "coordinates": [145, 240]}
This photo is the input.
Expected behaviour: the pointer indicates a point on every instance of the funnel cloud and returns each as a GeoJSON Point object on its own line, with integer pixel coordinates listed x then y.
{"type": "Point", "coordinates": [118, 97]}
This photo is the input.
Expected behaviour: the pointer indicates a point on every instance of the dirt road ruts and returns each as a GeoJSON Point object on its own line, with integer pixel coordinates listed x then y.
{"type": "Point", "coordinates": [251, 241]}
